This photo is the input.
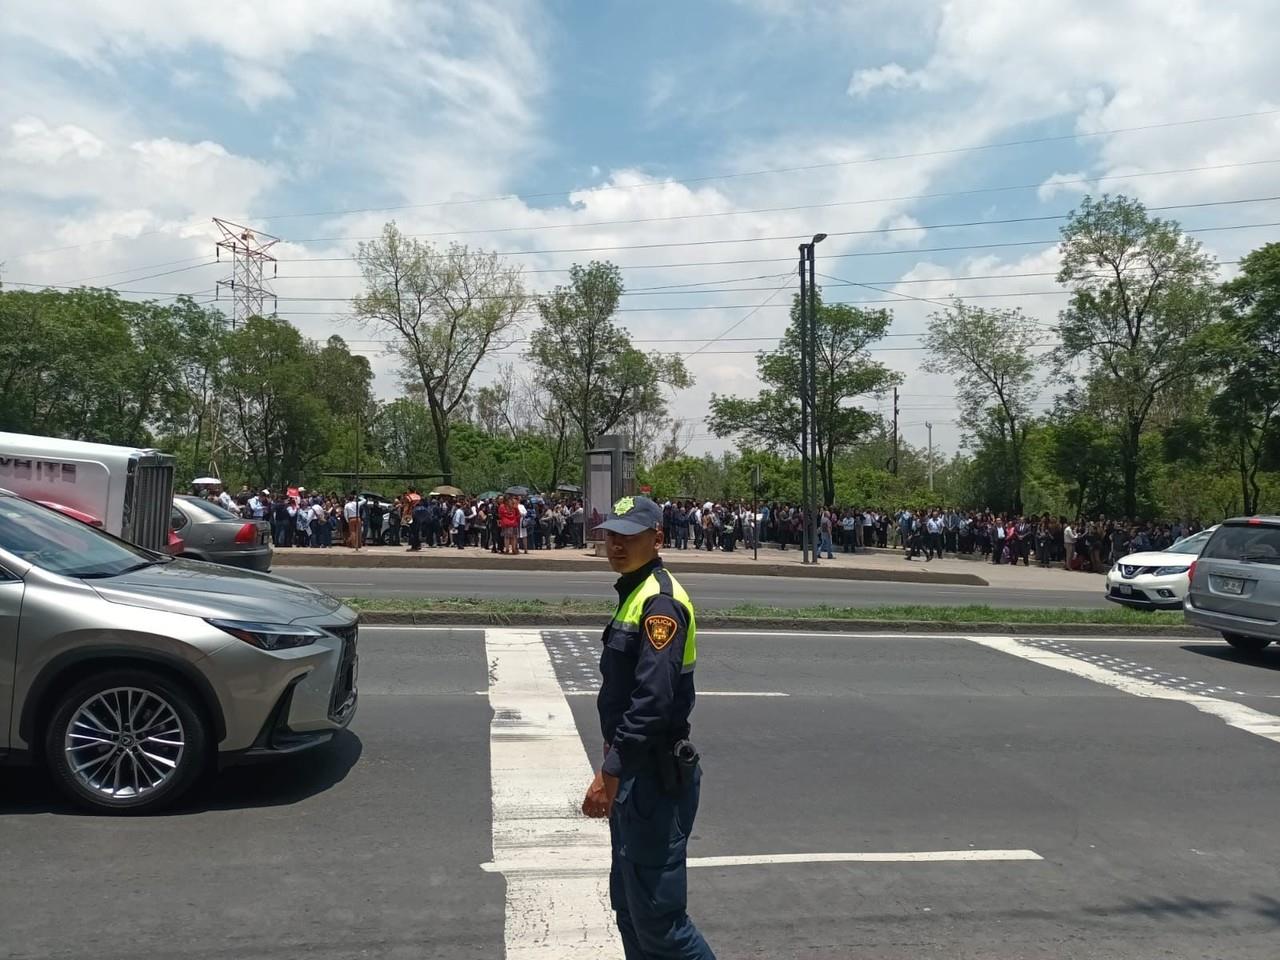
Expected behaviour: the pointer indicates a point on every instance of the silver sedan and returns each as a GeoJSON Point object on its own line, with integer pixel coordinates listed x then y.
{"type": "Point", "coordinates": [216, 535]}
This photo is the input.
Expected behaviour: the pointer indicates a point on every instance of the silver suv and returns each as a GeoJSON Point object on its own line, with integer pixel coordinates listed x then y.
{"type": "Point", "coordinates": [1235, 583]}
{"type": "Point", "coordinates": [128, 672]}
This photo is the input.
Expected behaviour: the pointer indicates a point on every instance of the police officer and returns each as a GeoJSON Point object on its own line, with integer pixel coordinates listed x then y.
{"type": "Point", "coordinates": [648, 786]}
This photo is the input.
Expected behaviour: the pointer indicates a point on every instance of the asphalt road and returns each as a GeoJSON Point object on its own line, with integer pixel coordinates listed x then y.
{"type": "Point", "coordinates": [710, 590]}
{"type": "Point", "coordinates": [1140, 817]}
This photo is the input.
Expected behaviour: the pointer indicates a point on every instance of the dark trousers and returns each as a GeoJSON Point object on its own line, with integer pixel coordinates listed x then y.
{"type": "Point", "coordinates": [648, 886]}
{"type": "Point", "coordinates": [933, 546]}
{"type": "Point", "coordinates": [394, 531]}
{"type": "Point", "coordinates": [415, 535]}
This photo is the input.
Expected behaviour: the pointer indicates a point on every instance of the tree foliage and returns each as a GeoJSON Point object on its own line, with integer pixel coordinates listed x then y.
{"type": "Point", "coordinates": [1141, 297]}
{"type": "Point", "coordinates": [592, 375]}
{"type": "Point", "coordinates": [844, 372]}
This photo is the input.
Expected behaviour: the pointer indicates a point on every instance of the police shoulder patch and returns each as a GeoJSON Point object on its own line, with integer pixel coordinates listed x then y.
{"type": "Point", "coordinates": [659, 629]}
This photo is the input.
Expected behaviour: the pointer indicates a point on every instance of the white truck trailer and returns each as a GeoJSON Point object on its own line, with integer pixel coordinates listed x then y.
{"type": "Point", "coordinates": [129, 490]}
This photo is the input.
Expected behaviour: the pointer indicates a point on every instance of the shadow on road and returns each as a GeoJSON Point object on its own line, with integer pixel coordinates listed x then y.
{"type": "Point", "coordinates": [268, 783]}
{"type": "Point", "coordinates": [1267, 658]}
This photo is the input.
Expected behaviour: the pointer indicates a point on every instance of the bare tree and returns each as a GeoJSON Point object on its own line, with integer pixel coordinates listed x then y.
{"type": "Point", "coordinates": [991, 354]}
{"type": "Point", "coordinates": [446, 310]}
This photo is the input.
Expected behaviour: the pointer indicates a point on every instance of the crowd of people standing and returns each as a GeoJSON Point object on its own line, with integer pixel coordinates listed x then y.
{"type": "Point", "coordinates": [512, 524]}
{"type": "Point", "coordinates": [999, 538]}
{"type": "Point", "coordinates": [507, 523]}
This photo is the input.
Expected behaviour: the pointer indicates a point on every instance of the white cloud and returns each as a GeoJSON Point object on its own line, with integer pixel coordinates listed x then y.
{"type": "Point", "coordinates": [415, 102]}
{"type": "Point", "coordinates": [891, 76]}
{"type": "Point", "coordinates": [1059, 183]}
{"type": "Point", "coordinates": [257, 84]}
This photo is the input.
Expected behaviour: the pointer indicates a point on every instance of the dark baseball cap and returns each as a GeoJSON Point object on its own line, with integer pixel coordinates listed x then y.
{"type": "Point", "coordinates": [632, 515]}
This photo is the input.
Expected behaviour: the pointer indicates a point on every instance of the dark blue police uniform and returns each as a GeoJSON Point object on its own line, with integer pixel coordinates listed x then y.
{"type": "Point", "coordinates": [644, 704]}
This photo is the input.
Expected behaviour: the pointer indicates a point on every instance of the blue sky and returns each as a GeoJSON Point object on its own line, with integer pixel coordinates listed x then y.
{"type": "Point", "coordinates": [124, 128]}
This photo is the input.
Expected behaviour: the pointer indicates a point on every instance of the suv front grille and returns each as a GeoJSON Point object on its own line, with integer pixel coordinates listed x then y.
{"type": "Point", "coordinates": [343, 699]}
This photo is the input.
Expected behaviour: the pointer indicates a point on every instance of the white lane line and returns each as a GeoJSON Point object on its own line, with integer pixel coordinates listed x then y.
{"type": "Point", "coordinates": [556, 861]}
{"type": "Point", "coordinates": [958, 634]}
{"type": "Point", "coordinates": [1244, 718]}
{"type": "Point", "coordinates": [777, 859]}
{"type": "Point", "coordinates": [701, 693]}
{"type": "Point", "coordinates": [916, 856]}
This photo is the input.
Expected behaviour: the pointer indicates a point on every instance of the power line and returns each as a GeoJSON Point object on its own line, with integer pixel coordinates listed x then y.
{"type": "Point", "coordinates": [870, 231]}
{"type": "Point", "coordinates": [775, 170]}
{"type": "Point", "coordinates": [906, 251]}
{"type": "Point", "coordinates": [666, 289]}
{"type": "Point", "coordinates": [791, 209]}
{"type": "Point", "coordinates": [761, 172]}
{"type": "Point", "coordinates": [733, 326]}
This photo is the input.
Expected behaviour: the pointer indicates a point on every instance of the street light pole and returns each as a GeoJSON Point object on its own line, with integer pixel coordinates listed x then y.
{"type": "Point", "coordinates": [804, 407]}
{"type": "Point", "coordinates": [815, 496]}
{"type": "Point", "coordinates": [929, 427]}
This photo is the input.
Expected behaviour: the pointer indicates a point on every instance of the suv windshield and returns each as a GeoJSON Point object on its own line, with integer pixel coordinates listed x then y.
{"type": "Point", "coordinates": [53, 542]}
{"type": "Point", "coordinates": [1254, 542]}
{"type": "Point", "coordinates": [1192, 544]}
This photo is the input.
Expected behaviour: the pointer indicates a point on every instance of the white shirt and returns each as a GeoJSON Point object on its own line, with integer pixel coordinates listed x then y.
{"type": "Point", "coordinates": [459, 517]}
{"type": "Point", "coordinates": [255, 507]}
{"type": "Point", "coordinates": [1068, 535]}
{"type": "Point", "coordinates": [224, 498]}
{"type": "Point", "coordinates": [350, 510]}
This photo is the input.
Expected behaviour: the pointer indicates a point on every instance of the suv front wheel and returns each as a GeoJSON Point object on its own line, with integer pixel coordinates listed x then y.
{"type": "Point", "coordinates": [125, 741]}
{"type": "Point", "coordinates": [1245, 644]}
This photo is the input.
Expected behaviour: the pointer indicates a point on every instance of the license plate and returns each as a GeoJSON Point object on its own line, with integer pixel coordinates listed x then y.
{"type": "Point", "coordinates": [1126, 590]}
{"type": "Point", "coordinates": [1231, 585]}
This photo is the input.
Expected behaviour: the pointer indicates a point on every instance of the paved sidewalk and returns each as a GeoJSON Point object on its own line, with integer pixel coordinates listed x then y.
{"type": "Point", "coordinates": [865, 565]}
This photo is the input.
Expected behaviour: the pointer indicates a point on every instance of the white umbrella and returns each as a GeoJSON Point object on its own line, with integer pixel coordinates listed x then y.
{"type": "Point", "coordinates": [206, 482]}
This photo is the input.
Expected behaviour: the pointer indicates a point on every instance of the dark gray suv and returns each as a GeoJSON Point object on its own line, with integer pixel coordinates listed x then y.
{"type": "Point", "coordinates": [1235, 583]}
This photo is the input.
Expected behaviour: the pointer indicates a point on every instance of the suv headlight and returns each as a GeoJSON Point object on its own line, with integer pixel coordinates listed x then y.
{"type": "Point", "coordinates": [1169, 571]}
{"type": "Point", "coordinates": [270, 636]}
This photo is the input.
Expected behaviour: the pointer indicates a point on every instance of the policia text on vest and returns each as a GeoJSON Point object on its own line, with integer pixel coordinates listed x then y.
{"type": "Point", "coordinates": [650, 780]}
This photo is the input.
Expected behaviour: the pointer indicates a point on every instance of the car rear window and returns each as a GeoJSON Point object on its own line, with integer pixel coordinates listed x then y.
{"type": "Point", "coordinates": [216, 511]}
{"type": "Point", "coordinates": [1258, 542]}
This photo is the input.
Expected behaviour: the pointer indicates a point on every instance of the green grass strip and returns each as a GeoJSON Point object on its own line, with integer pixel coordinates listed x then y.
{"type": "Point", "coordinates": [975, 613]}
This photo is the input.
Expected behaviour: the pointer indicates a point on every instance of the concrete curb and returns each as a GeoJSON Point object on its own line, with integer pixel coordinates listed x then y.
{"type": "Point", "coordinates": [710, 620]}
{"type": "Point", "coordinates": [440, 561]}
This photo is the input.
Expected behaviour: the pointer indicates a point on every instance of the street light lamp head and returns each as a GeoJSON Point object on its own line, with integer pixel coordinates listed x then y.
{"type": "Point", "coordinates": [819, 237]}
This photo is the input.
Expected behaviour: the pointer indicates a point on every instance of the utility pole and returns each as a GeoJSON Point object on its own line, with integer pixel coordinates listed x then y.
{"type": "Point", "coordinates": [755, 512]}
{"type": "Point", "coordinates": [809, 390]}
{"type": "Point", "coordinates": [895, 431]}
{"type": "Point", "coordinates": [805, 411]}
{"type": "Point", "coordinates": [929, 426]}
{"type": "Point", "coordinates": [814, 459]}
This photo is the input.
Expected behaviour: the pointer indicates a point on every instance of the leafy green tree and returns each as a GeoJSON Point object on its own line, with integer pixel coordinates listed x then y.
{"type": "Point", "coordinates": [1245, 413]}
{"type": "Point", "coordinates": [1082, 451]}
{"type": "Point", "coordinates": [1141, 296]}
{"type": "Point", "coordinates": [991, 354]}
{"type": "Point", "coordinates": [288, 401]}
{"type": "Point", "coordinates": [446, 310]}
{"type": "Point", "coordinates": [586, 363]}
{"type": "Point", "coordinates": [844, 372]}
